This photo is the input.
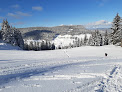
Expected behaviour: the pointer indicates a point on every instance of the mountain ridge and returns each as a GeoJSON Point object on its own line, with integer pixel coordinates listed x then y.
{"type": "Point", "coordinates": [49, 33]}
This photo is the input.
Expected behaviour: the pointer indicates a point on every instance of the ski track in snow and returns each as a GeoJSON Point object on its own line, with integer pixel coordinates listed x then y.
{"type": "Point", "coordinates": [82, 73]}
{"type": "Point", "coordinates": [26, 70]}
{"type": "Point", "coordinates": [111, 83]}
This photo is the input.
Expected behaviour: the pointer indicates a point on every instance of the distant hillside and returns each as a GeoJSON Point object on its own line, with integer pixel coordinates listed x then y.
{"type": "Point", "coordinates": [103, 30]}
{"type": "Point", "coordinates": [49, 33]}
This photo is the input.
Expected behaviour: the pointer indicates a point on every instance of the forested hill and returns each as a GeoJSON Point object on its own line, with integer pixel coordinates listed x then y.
{"type": "Point", "coordinates": [49, 33]}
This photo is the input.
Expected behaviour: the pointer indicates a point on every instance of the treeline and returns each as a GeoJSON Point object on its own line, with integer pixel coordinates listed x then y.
{"type": "Point", "coordinates": [95, 39]}
{"type": "Point", "coordinates": [38, 45]}
{"type": "Point", "coordinates": [11, 35]}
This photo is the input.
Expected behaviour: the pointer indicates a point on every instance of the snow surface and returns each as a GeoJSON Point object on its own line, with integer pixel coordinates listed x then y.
{"type": "Point", "coordinates": [83, 69]}
{"type": "Point", "coordinates": [5, 46]}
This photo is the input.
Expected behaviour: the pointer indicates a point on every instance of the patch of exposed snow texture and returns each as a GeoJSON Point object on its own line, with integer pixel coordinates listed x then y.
{"type": "Point", "coordinates": [113, 82]}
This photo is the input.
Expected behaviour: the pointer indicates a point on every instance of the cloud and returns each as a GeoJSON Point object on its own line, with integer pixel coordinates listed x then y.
{"type": "Point", "coordinates": [102, 2]}
{"type": "Point", "coordinates": [15, 6]}
{"type": "Point", "coordinates": [18, 15]}
{"type": "Point", "coordinates": [17, 23]}
{"type": "Point", "coordinates": [13, 15]}
{"type": "Point", "coordinates": [1, 17]}
{"type": "Point", "coordinates": [99, 24]}
{"type": "Point", "coordinates": [23, 14]}
{"type": "Point", "coordinates": [105, 0]}
{"type": "Point", "coordinates": [37, 8]}
{"type": "Point", "coordinates": [61, 25]}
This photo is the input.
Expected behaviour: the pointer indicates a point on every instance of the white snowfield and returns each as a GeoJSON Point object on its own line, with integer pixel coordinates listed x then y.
{"type": "Point", "coordinates": [83, 69]}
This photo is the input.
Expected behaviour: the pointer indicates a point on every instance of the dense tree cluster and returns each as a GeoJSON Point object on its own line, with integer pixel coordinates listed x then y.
{"type": "Point", "coordinates": [11, 35]}
{"type": "Point", "coordinates": [38, 45]}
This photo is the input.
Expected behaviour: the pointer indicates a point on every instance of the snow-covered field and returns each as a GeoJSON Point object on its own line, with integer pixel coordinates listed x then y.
{"type": "Point", "coordinates": [83, 69]}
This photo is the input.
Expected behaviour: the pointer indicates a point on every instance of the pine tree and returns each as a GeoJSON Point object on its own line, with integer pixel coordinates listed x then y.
{"type": "Point", "coordinates": [116, 27]}
{"type": "Point", "coordinates": [106, 38]}
{"type": "Point", "coordinates": [116, 23]}
{"type": "Point", "coordinates": [26, 46]}
{"type": "Point", "coordinates": [99, 41]}
{"type": "Point", "coordinates": [78, 42]}
{"type": "Point", "coordinates": [94, 36]}
{"type": "Point", "coordinates": [38, 46]}
{"type": "Point", "coordinates": [53, 46]}
{"type": "Point", "coordinates": [118, 36]}
{"type": "Point", "coordinates": [31, 46]}
{"type": "Point", "coordinates": [85, 40]}
{"type": "Point", "coordinates": [74, 43]}
{"type": "Point", "coordinates": [42, 45]}
{"type": "Point", "coordinates": [81, 42]}
{"type": "Point", "coordinates": [90, 41]}
{"type": "Point", "coordinates": [96, 39]}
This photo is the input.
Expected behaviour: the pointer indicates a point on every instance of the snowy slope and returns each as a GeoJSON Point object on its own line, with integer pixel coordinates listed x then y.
{"type": "Point", "coordinates": [83, 69]}
{"type": "Point", "coordinates": [5, 46]}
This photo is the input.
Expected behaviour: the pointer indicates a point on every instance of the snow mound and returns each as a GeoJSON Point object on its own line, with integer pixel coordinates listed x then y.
{"type": "Point", "coordinates": [6, 46]}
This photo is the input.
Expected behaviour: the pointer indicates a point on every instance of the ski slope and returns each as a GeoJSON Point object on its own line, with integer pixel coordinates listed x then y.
{"type": "Point", "coordinates": [83, 69]}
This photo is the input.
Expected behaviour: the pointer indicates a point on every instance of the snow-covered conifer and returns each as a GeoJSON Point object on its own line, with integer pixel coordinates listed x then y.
{"type": "Point", "coordinates": [11, 35]}
{"type": "Point", "coordinates": [116, 27]}
{"type": "Point", "coordinates": [85, 40]}
{"type": "Point", "coordinates": [106, 38]}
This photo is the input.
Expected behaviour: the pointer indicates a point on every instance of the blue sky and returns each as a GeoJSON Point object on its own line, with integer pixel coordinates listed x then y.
{"type": "Point", "coordinates": [29, 13]}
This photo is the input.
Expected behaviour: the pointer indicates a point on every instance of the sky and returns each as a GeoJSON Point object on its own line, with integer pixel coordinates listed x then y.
{"type": "Point", "coordinates": [48, 13]}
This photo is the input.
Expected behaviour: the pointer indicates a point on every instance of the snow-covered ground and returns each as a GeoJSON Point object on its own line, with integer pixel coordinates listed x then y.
{"type": "Point", "coordinates": [83, 69]}
{"type": "Point", "coordinates": [5, 46]}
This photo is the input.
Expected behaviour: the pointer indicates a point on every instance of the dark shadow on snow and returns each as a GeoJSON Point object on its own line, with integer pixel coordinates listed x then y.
{"type": "Point", "coordinates": [11, 77]}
